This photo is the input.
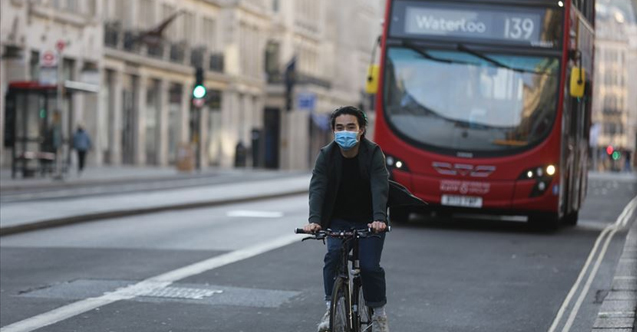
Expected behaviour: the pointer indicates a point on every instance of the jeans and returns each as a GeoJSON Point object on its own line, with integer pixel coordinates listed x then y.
{"type": "Point", "coordinates": [81, 158]}
{"type": "Point", "coordinates": [372, 275]}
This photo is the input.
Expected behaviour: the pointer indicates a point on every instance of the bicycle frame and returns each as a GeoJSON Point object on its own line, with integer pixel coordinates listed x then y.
{"type": "Point", "coordinates": [354, 282]}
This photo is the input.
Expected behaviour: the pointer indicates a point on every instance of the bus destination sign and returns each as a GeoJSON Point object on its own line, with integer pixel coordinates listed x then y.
{"type": "Point", "coordinates": [509, 25]}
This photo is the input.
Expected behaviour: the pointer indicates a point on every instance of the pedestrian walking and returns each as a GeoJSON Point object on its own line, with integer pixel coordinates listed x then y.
{"type": "Point", "coordinates": [349, 189]}
{"type": "Point", "coordinates": [81, 143]}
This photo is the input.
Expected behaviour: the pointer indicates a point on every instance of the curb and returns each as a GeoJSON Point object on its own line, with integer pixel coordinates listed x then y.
{"type": "Point", "coordinates": [618, 311]}
{"type": "Point", "coordinates": [125, 213]}
{"type": "Point", "coordinates": [78, 183]}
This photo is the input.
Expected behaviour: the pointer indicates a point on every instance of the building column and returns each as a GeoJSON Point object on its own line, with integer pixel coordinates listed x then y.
{"type": "Point", "coordinates": [3, 93]}
{"type": "Point", "coordinates": [140, 130]}
{"type": "Point", "coordinates": [203, 137]}
{"type": "Point", "coordinates": [229, 109]}
{"type": "Point", "coordinates": [162, 149]}
{"type": "Point", "coordinates": [116, 125]}
{"type": "Point", "coordinates": [184, 116]}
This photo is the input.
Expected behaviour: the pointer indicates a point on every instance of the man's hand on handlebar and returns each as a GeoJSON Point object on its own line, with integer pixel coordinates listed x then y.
{"type": "Point", "coordinates": [312, 228]}
{"type": "Point", "coordinates": [377, 226]}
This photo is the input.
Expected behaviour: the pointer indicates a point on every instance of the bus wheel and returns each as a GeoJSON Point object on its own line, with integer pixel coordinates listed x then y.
{"type": "Point", "coordinates": [399, 215]}
{"type": "Point", "coordinates": [571, 218]}
{"type": "Point", "coordinates": [544, 221]}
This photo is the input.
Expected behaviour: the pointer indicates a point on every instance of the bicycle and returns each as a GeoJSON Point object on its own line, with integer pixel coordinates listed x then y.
{"type": "Point", "coordinates": [348, 312]}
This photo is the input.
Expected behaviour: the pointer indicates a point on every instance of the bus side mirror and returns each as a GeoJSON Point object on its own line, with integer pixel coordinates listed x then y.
{"type": "Point", "coordinates": [373, 73]}
{"type": "Point", "coordinates": [578, 79]}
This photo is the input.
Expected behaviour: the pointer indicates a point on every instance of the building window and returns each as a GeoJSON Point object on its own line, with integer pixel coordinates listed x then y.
{"type": "Point", "coordinates": [34, 65]}
{"type": "Point", "coordinates": [188, 32]}
{"type": "Point", "coordinates": [209, 32]}
{"type": "Point", "coordinates": [91, 8]}
{"type": "Point", "coordinates": [171, 30]}
{"type": "Point", "coordinates": [147, 14]}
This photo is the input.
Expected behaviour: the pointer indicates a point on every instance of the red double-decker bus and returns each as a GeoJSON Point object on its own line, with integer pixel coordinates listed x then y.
{"type": "Point", "coordinates": [485, 106]}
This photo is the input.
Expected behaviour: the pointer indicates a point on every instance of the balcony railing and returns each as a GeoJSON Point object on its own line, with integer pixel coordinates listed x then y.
{"type": "Point", "coordinates": [216, 62]}
{"type": "Point", "coordinates": [177, 52]}
{"type": "Point", "coordinates": [111, 34]}
{"type": "Point", "coordinates": [155, 50]}
{"type": "Point", "coordinates": [131, 42]}
{"type": "Point", "coordinates": [197, 56]}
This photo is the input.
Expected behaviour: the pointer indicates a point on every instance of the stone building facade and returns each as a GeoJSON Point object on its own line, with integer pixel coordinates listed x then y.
{"type": "Point", "coordinates": [143, 113]}
{"type": "Point", "coordinates": [614, 103]}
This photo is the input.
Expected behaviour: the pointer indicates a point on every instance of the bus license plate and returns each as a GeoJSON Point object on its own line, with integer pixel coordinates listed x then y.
{"type": "Point", "coordinates": [464, 201]}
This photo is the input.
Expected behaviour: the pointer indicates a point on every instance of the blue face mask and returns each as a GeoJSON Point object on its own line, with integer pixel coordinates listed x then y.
{"type": "Point", "coordinates": [346, 139]}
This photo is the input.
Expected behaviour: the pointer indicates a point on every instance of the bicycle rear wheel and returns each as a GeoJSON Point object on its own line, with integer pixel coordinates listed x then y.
{"type": "Point", "coordinates": [340, 307]}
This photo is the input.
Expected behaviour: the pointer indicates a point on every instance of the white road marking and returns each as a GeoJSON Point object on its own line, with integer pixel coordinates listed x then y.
{"type": "Point", "coordinates": [610, 230]}
{"type": "Point", "coordinates": [254, 214]}
{"type": "Point", "coordinates": [147, 286]}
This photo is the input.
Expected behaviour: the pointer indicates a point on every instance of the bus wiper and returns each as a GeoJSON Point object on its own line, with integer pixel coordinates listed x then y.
{"type": "Point", "coordinates": [463, 48]}
{"type": "Point", "coordinates": [422, 52]}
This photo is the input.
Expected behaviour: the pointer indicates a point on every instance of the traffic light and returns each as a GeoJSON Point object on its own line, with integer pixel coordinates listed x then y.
{"type": "Point", "coordinates": [610, 150]}
{"type": "Point", "coordinates": [199, 90]}
{"type": "Point", "coordinates": [616, 155]}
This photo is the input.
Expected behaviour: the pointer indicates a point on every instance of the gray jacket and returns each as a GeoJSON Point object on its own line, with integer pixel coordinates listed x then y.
{"type": "Point", "coordinates": [326, 179]}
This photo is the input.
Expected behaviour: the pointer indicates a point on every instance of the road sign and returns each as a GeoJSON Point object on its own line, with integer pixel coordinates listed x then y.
{"type": "Point", "coordinates": [48, 59]}
{"type": "Point", "coordinates": [60, 45]}
{"type": "Point", "coordinates": [306, 101]}
{"type": "Point", "coordinates": [48, 75]}
{"type": "Point", "coordinates": [197, 102]}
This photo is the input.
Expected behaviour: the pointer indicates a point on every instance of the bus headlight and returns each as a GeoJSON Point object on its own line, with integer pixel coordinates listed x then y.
{"type": "Point", "coordinates": [395, 163]}
{"type": "Point", "coordinates": [543, 176]}
{"type": "Point", "coordinates": [550, 170]}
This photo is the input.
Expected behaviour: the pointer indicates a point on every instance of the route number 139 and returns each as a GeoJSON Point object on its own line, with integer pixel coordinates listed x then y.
{"type": "Point", "coordinates": [518, 28]}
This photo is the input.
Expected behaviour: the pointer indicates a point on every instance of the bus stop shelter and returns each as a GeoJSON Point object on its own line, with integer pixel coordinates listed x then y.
{"type": "Point", "coordinates": [33, 127]}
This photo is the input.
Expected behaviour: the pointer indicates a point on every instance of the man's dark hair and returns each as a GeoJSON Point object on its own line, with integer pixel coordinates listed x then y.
{"type": "Point", "coordinates": [351, 110]}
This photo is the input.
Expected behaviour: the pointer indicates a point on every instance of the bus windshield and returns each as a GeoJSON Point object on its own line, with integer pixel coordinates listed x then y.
{"type": "Point", "coordinates": [465, 101]}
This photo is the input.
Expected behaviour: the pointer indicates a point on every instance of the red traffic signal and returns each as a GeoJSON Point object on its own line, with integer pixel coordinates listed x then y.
{"type": "Point", "coordinates": [610, 149]}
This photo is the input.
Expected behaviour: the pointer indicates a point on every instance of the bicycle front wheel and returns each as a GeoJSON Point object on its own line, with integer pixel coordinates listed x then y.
{"type": "Point", "coordinates": [363, 317]}
{"type": "Point", "coordinates": [340, 307]}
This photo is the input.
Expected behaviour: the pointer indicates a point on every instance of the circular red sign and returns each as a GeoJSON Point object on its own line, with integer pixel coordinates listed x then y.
{"type": "Point", "coordinates": [48, 59]}
{"type": "Point", "coordinates": [60, 45]}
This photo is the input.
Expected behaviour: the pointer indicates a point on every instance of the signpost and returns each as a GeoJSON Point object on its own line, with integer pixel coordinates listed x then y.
{"type": "Point", "coordinates": [306, 101]}
{"type": "Point", "coordinates": [48, 68]}
{"type": "Point", "coordinates": [58, 160]}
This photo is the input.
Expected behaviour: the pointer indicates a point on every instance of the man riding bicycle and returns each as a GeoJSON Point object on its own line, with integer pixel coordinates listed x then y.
{"type": "Point", "coordinates": [349, 189]}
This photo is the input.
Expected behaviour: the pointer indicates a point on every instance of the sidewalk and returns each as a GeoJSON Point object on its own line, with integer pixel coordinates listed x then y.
{"type": "Point", "coordinates": [619, 308]}
{"type": "Point", "coordinates": [23, 216]}
{"type": "Point", "coordinates": [108, 175]}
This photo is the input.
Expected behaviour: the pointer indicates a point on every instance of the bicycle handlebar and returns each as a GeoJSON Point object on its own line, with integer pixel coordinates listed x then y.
{"type": "Point", "coordinates": [341, 234]}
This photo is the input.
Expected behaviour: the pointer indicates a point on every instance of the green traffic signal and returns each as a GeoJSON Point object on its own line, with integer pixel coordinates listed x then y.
{"type": "Point", "coordinates": [199, 91]}
{"type": "Point", "coordinates": [616, 155]}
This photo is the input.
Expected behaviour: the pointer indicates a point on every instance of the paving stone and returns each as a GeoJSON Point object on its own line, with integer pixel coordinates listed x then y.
{"type": "Point", "coordinates": [611, 306]}
{"type": "Point", "coordinates": [616, 323]}
{"type": "Point", "coordinates": [621, 295]}
{"type": "Point", "coordinates": [620, 284]}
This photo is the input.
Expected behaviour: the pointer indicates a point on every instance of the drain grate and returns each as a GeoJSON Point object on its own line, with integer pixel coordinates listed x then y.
{"type": "Point", "coordinates": [183, 293]}
{"type": "Point", "coordinates": [189, 293]}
